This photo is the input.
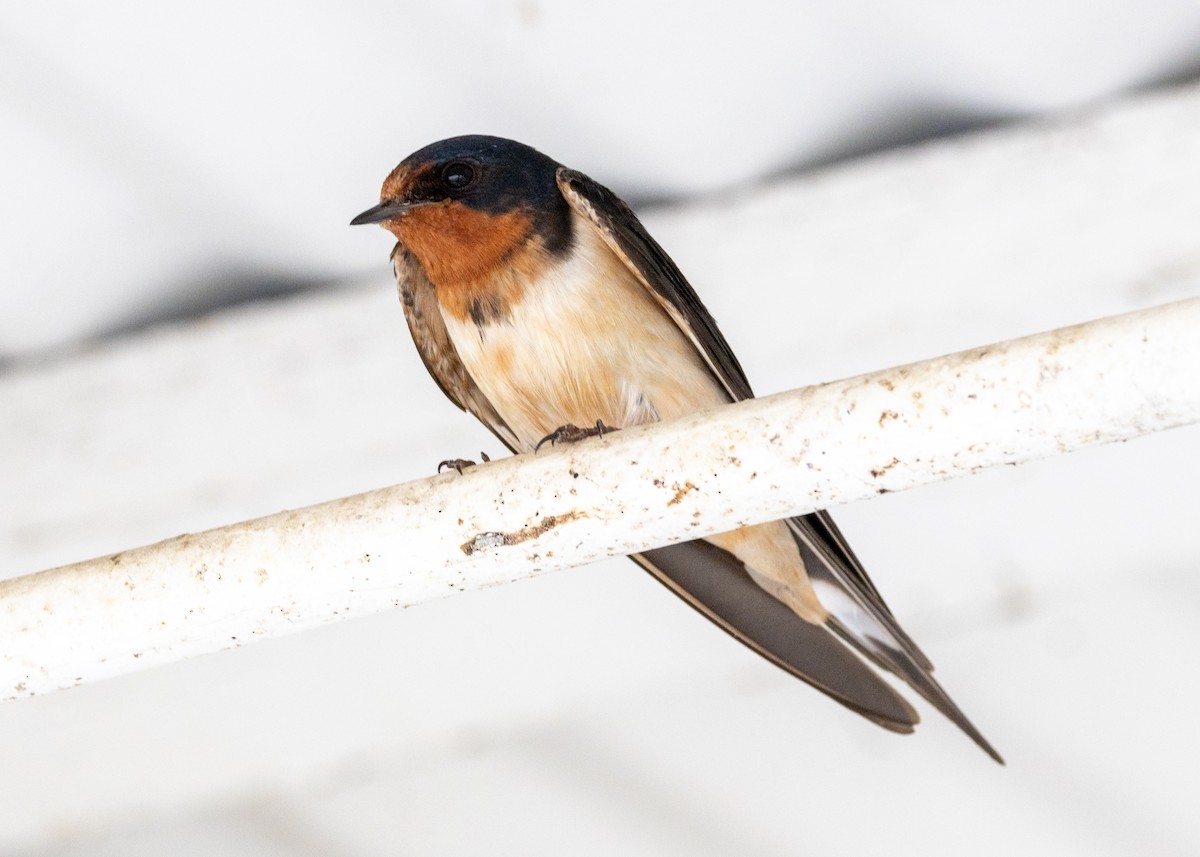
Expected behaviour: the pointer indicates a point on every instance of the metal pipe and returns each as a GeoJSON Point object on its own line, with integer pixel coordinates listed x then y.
{"type": "Point", "coordinates": [1111, 379]}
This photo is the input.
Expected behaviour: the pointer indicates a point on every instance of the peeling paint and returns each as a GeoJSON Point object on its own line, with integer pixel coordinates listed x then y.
{"type": "Point", "coordinates": [484, 541]}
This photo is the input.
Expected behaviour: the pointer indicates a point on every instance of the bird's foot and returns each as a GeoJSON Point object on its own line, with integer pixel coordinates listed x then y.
{"type": "Point", "coordinates": [461, 464]}
{"type": "Point", "coordinates": [573, 434]}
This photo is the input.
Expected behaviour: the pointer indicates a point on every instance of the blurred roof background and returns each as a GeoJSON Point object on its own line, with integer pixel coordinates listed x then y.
{"type": "Point", "coordinates": [191, 334]}
{"type": "Point", "coordinates": [165, 158]}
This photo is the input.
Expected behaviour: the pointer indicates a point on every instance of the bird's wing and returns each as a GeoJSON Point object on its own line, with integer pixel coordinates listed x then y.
{"type": "Point", "coordinates": [859, 614]}
{"type": "Point", "coordinates": [625, 236]}
{"type": "Point", "coordinates": [437, 351]}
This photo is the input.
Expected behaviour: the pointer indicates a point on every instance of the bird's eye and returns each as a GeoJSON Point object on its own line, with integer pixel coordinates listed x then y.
{"type": "Point", "coordinates": [458, 175]}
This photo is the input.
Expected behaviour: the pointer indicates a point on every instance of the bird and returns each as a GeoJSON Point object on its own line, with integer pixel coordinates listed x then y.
{"type": "Point", "coordinates": [539, 303]}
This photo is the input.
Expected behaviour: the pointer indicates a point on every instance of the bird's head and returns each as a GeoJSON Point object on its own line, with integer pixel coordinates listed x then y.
{"type": "Point", "coordinates": [465, 205]}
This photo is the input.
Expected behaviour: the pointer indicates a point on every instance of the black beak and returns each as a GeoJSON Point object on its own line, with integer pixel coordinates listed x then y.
{"type": "Point", "coordinates": [389, 209]}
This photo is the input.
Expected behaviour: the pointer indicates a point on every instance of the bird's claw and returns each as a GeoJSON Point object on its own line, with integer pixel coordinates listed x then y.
{"type": "Point", "coordinates": [461, 464]}
{"type": "Point", "coordinates": [573, 434]}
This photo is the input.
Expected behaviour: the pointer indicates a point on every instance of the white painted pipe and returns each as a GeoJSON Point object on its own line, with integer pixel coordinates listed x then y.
{"type": "Point", "coordinates": [756, 461]}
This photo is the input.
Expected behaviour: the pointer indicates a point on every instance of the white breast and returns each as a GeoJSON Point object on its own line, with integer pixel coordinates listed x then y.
{"type": "Point", "coordinates": [585, 342]}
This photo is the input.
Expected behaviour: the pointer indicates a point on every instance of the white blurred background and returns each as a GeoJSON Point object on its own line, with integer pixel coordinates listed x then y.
{"type": "Point", "coordinates": [190, 334]}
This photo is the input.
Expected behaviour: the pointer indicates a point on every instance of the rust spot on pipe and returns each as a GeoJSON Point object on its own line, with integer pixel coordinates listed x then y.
{"type": "Point", "coordinates": [879, 471]}
{"type": "Point", "coordinates": [483, 541]}
{"type": "Point", "coordinates": [887, 415]}
{"type": "Point", "coordinates": [681, 491]}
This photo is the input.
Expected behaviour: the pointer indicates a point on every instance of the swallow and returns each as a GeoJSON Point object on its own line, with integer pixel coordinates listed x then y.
{"type": "Point", "coordinates": [538, 302]}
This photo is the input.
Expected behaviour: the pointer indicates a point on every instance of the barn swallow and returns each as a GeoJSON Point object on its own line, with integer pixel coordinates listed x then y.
{"type": "Point", "coordinates": [538, 301]}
